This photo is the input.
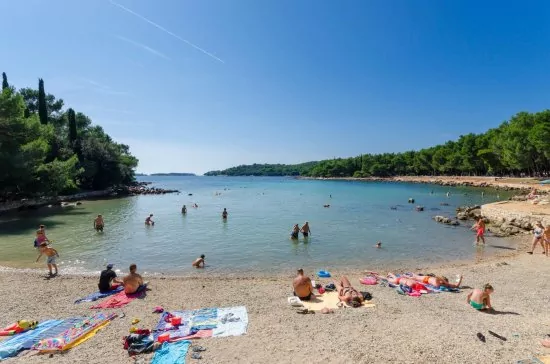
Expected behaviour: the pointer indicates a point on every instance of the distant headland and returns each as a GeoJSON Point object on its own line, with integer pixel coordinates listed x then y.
{"type": "Point", "coordinates": [167, 174]}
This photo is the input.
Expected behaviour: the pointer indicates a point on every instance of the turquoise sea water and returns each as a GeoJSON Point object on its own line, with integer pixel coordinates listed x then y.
{"type": "Point", "coordinates": [262, 212]}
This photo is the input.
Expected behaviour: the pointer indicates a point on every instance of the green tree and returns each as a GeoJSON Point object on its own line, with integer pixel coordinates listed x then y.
{"type": "Point", "coordinates": [73, 134]}
{"type": "Point", "coordinates": [5, 83]}
{"type": "Point", "coordinates": [42, 106]}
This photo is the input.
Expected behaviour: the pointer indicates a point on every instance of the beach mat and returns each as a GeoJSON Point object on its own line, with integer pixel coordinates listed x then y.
{"type": "Point", "coordinates": [328, 300]}
{"type": "Point", "coordinates": [98, 295]}
{"type": "Point", "coordinates": [13, 346]}
{"type": "Point", "coordinates": [120, 299]}
{"type": "Point", "coordinates": [170, 353]}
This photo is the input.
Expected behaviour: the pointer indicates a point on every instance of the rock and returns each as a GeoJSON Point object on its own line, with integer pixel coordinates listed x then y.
{"type": "Point", "coordinates": [445, 220]}
{"type": "Point", "coordinates": [462, 216]}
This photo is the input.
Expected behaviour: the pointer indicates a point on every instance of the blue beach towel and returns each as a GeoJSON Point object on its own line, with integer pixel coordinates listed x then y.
{"type": "Point", "coordinates": [171, 353]}
{"type": "Point", "coordinates": [13, 346]}
{"type": "Point", "coordinates": [98, 295]}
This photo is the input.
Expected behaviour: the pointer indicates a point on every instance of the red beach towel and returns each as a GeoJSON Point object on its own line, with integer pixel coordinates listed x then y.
{"type": "Point", "coordinates": [118, 300]}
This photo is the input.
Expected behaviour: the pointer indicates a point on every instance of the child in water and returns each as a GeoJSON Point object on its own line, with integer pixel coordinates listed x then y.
{"type": "Point", "coordinates": [480, 299]}
{"type": "Point", "coordinates": [480, 230]}
{"type": "Point", "coordinates": [52, 254]}
{"type": "Point", "coordinates": [197, 263]}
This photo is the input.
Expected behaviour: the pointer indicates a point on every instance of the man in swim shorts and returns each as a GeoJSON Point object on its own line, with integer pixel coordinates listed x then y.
{"type": "Point", "coordinates": [295, 232]}
{"type": "Point", "coordinates": [305, 230]}
{"type": "Point", "coordinates": [108, 280]}
{"type": "Point", "coordinates": [303, 288]}
{"type": "Point", "coordinates": [480, 299]}
{"type": "Point", "coordinates": [197, 262]}
{"type": "Point", "coordinates": [149, 220]}
{"type": "Point", "coordinates": [348, 294]}
{"type": "Point", "coordinates": [98, 223]}
{"type": "Point", "coordinates": [437, 281]}
{"type": "Point", "coordinates": [133, 281]}
{"type": "Point", "coordinates": [52, 254]}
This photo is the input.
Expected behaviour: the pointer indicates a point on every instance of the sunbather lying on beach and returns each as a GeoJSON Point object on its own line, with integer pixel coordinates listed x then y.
{"type": "Point", "coordinates": [436, 281]}
{"type": "Point", "coordinates": [348, 294]}
{"type": "Point", "coordinates": [480, 299]}
{"type": "Point", "coordinates": [303, 288]}
{"type": "Point", "coordinates": [392, 278]}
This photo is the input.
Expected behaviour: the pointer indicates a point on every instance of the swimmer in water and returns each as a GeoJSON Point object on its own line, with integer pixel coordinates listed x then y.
{"type": "Point", "coordinates": [448, 194]}
{"type": "Point", "coordinates": [295, 232]}
{"type": "Point", "coordinates": [184, 210]}
{"type": "Point", "coordinates": [224, 214]}
{"type": "Point", "coordinates": [198, 262]}
{"type": "Point", "coordinates": [99, 223]}
{"type": "Point", "coordinates": [149, 221]}
{"type": "Point", "coordinates": [378, 245]}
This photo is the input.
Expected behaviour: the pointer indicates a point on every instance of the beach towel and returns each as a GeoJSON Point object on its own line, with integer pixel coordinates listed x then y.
{"type": "Point", "coordinates": [329, 300]}
{"type": "Point", "coordinates": [120, 299]}
{"type": "Point", "coordinates": [13, 346]}
{"type": "Point", "coordinates": [171, 353]}
{"type": "Point", "coordinates": [98, 295]}
{"type": "Point", "coordinates": [76, 335]}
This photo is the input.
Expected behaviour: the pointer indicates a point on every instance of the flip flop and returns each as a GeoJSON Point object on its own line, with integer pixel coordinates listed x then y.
{"type": "Point", "coordinates": [481, 337]}
{"type": "Point", "coordinates": [196, 356]}
{"type": "Point", "coordinates": [497, 336]}
{"type": "Point", "coordinates": [198, 348]}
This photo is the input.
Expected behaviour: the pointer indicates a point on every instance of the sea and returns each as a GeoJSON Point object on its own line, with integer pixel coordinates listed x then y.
{"type": "Point", "coordinates": [255, 239]}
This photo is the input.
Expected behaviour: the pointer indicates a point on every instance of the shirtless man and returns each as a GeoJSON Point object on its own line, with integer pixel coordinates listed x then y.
{"type": "Point", "coordinates": [149, 220]}
{"type": "Point", "coordinates": [348, 294]}
{"type": "Point", "coordinates": [480, 299]}
{"type": "Point", "coordinates": [437, 281]}
{"type": "Point", "coordinates": [52, 254]}
{"type": "Point", "coordinates": [224, 214]}
{"type": "Point", "coordinates": [480, 230]}
{"type": "Point", "coordinates": [132, 281]}
{"type": "Point", "coordinates": [197, 262]}
{"type": "Point", "coordinates": [295, 232]}
{"type": "Point", "coordinates": [303, 288]}
{"type": "Point", "coordinates": [306, 230]}
{"type": "Point", "coordinates": [184, 210]}
{"type": "Point", "coordinates": [99, 223]}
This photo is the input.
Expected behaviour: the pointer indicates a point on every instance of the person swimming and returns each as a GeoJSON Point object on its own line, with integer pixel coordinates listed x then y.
{"type": "Point", "coordinates": [295, 232]}
{"type": "Point", "coordinates": [149, 221]}
{"type": "Point", "coordinates": [378, 245]}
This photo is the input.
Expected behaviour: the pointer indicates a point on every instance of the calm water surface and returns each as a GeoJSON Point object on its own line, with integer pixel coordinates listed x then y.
{"type": "Point", "coordinates": [262, 212]}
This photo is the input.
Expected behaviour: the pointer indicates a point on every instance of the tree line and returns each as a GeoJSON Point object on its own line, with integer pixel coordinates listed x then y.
{"type": "Point", "coordinates": [518, 147]}
{"type": "Point", "coordinates": [47, 150]}
{"type": "Point", "coordinates": [266, 170]}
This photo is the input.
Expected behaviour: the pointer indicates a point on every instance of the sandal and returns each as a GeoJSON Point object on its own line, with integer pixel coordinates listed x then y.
{"type": "Point", "coordinates": [196, 356]}
{"type": "Point", "coordinates": [481, 337]}
{"type": "Point", "coordinates": [198, 348]}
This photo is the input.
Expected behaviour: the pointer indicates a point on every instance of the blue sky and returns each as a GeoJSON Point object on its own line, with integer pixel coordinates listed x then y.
{"type": "Point", "coordinates": [193, 86]}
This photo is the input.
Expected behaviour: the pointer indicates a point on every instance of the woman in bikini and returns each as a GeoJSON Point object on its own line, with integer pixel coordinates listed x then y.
{"type": "Point", "coordinates": [538, 237]}
{"type": "Point", "coordinates": [347, 294]}
{"type": "Point", "coordinates": [436, 281]}
{"type": "Point", "coordinates": [407, 281]}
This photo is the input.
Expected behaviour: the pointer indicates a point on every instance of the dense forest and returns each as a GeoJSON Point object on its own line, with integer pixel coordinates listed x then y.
{"type": "Point", "coordinates": [266, 170]}
{"type": "Point", "coordinates": [46, 150]}
{"type": "Point", "coordinates": [520, 146]}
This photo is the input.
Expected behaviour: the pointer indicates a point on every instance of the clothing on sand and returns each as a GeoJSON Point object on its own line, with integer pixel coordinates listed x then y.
{"type": "Point", "coordinates": [98, 295]}
{"type": "Point", "coordinates": [170, 353]}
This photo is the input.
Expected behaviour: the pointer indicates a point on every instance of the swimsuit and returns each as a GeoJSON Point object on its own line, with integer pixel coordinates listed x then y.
{"type": "Point", "coordinates": [294, 235]}
{"type": "Point", "coordinates": [426, 280]}
{"type": "Point", "coordinates": [307, 298]}
{"type": "Point", "coordinates": [480, 231]}
{"type": "Point", "coordinates": [397, 280]}
{"type": "Point", "coordinates": [477, 306]}
{"type": "Point", "coordinates": [51, 260]}
{"type": "Point", "coordinates": [305, 235]}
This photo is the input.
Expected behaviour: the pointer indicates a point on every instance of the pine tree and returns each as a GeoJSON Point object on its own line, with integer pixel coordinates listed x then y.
{"type": "Point", "coordinates": [42, 107]}
{"type": "Point", "coordinates": [72, 127]}
{"type": "Point", "coordinates": [5, 83]}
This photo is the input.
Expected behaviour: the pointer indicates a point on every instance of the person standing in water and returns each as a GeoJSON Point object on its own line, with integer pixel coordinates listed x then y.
{"type": "Point", "coordinates": [99, 223]}
{"type": "Point", "coordinates": [306, 230]}
{"type": "Point", "coordinates": [198, 262]}
{"type": "Point", "coordinates": [480, 230]}
{"type": "Point", "coordinates": [184, 210]}
{"type": "Point", "coordinates": [149, 221]}
{"type": "Point", "coordinates": [295, 232]}
{"type": "Point", "coordinates": [224, 214]}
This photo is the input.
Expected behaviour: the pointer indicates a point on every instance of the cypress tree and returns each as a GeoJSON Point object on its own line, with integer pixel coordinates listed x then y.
{"type": "Point", "coordinates": [5, 83]}
{"type": "Point", "coordinates": [72, 127]}
{"type": "Point", "coordinates": [42, 107]}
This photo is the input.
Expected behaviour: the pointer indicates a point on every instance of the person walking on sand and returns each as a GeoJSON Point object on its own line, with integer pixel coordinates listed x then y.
{"type": "Point", "coordinates": [479, 227]}
{"type": "Point", "coordinates": [198, 262]}
{"type": "Point", "coordinates": [184, 210]}
{"type": "Point", "coordinates": [295, 231]}
{"type": "Point", "coordinates": [149, 221]}
{"type": "Point", "coordinates": [539, 236]}
{"type": "Point", "coordinates": [305, 229]}
{"type": "Point", "coordinates": [224, 214]}
{"type": "Point", "coordinates": [99, 223]}
{"type": "Point", "coordinates": [480, 299]}
{"type": "Point", "coordinates": [52, 254]}
{"type": "Point", "coordinates": [133, 282]}
{"type": "Point", "coordinates": [303, 288]}
{"type": "Point", "coordinates": [40, 236]}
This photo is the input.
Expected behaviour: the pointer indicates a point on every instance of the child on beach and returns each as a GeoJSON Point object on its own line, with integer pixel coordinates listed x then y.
{"type": "Point", "coordinates": [480, 299]}
{"type": "Point", "coordinates": [52, 254]}
{"type": "Point", "coordinates": [480, 230]}
{"type": "Point", "coordinates": [197, 263]}
{"type": "Point", "coordinates": [40, 236]}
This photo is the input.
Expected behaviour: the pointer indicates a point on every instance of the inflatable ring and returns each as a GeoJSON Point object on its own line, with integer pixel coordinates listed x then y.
{"type": "Point", "coordinates": [323, 274]}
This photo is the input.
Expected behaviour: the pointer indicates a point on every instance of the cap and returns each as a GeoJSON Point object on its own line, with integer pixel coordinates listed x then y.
{"type": "Point", "coordinates": [110, 265]}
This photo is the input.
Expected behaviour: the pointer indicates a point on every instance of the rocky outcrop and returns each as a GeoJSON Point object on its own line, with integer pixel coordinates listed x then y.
{"type": "Point", "coordinates": [468, 212]}
{"type": "Point", "coordinates": [510, 227]}
{"type": "Point", "coordinates": [445, 220]}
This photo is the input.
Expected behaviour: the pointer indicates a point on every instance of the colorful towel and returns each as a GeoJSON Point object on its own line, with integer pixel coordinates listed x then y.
{"type": "Point", "coordinates": [171, 353]}
{"type": "Point", "coordinates": [13, 346]}
{"type": "Point", "coordinates": [76, 335]}
{"type": "Point", "coordinates": [98, 295]}
{"type": "Point", "coordinates": [328, 300]}
{"type": "Point", "coordinates": [119, 300]}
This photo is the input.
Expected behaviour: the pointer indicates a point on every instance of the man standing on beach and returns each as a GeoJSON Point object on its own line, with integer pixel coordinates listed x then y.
{"type": "Point", "coordinates": [303, 288]}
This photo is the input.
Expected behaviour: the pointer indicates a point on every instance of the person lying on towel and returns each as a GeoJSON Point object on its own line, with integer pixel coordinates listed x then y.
{"type": "Point", "coordinates": [348, 294]}
{"type": "Point", "coordinates": [303, 288]}
{"type": "Point", "coordinates": [133, 281]}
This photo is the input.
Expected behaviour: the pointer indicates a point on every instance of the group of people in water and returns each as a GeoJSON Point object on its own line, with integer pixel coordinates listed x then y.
{"type": "Point", "coordinates": [296, 230]}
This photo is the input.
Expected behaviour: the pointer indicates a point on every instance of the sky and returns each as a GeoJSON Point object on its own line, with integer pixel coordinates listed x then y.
{"type": "Point", "coordinates": [193, 86]}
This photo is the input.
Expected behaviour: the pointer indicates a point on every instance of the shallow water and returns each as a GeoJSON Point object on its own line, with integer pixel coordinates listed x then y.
{"type": "Point", "coordinates": [262, 212]}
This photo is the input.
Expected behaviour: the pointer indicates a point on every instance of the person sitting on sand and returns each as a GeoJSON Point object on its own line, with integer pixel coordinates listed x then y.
{"type": "Point", "coordinates": [52, 254]}
{"type": "Point", "coordinates": [184, 209]}
{"type": "Point", "coordinates": [133, 281]}
{"type": "Point", "coordinates": [149, 220]}
{"type": "Point", "coordinates": [480, 299]}
{"type": "Point", "coordinates": [436, 281]}
{"type": "Point", "coordinates": [40, 236]}
{"type": "Point", "coordinates": [347, 294]}
{"type": "Point", "coordinates": [197, 262]}
{"type": "Point", "coordinates": [108, 280]}
{"type": "Point", "coordinates": [533, 194]}
{"type": "Point", "coordinates": [303, 287]}
{"type": "Point", "coordinates": [99, 223]}
{"type": "Point", "coordinates": [479, 227]}
{"type": "Point", "coordinates": [378, 245]}
{"type": "Point", "coordinates": [538, 237]}
{"type": "Point", "coordinates": [295, 232]}
{"type": "Point", "coordinates": [224, 214]}
{"type": "Point", "coordinates": [305, 229]}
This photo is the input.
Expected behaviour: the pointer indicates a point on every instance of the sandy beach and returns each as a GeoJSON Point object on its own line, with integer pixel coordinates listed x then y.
{"type": "Point", "coordinates": [435, 328]}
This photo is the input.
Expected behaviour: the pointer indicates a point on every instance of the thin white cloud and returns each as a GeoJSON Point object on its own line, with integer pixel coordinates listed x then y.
{"type": "Point", "coordinates": [103, 88]}
{"type": "Point", "coordinates": [143, 46]}
{"type": "Point", "coordinates": [166, 31]}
